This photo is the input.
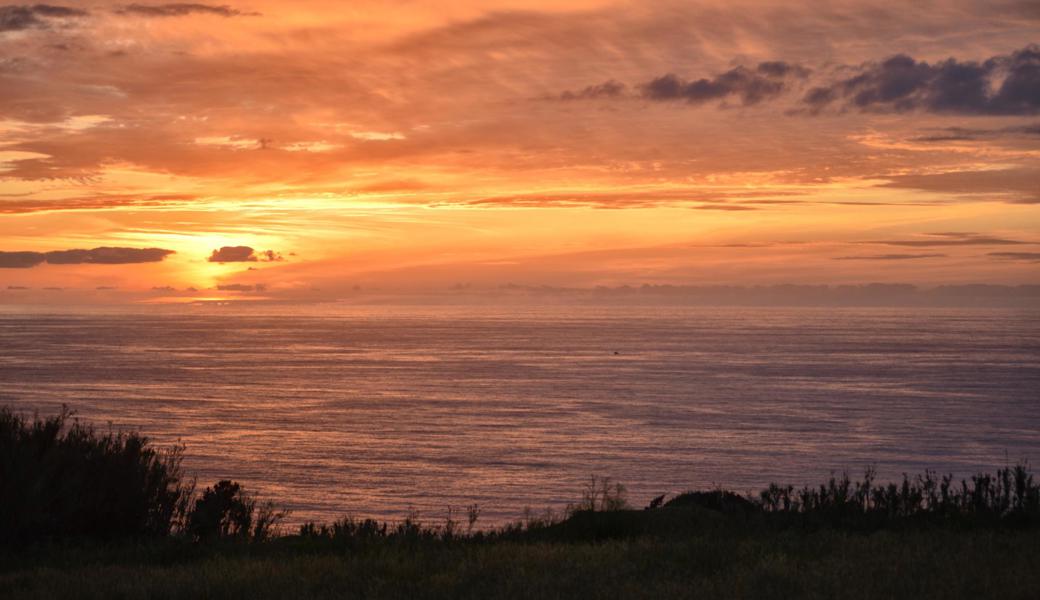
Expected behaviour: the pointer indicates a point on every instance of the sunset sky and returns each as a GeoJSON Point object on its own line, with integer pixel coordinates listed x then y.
{"type": "Point", "coordinates": [300, 149]}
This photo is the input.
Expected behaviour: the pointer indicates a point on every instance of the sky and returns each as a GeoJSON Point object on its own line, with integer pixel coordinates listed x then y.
{"type": "Point", "coordinates": [304, 150]}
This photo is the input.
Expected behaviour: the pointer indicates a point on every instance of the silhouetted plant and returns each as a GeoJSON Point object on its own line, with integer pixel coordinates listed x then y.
{"type": "Point", "coordinates": [1011, 495]}
{"type": "Point", "coordinates": [225, 511]}
{"type": "Point", "coordinates": [601, 494]}
{"type": "Point", "coordinates": [345, 530]}
{"type": "Point", "coordinates": [60, 479]}
{"type": "Point", "coordinates": [472, 514]}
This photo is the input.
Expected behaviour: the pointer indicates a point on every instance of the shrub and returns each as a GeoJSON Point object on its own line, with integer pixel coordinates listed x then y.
{"type": "Point", "coordinates": [62, 479]}
{"type": "Point", "coordinates": [225, 511]}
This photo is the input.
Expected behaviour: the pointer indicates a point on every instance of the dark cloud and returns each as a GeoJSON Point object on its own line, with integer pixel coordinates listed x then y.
{"type": "Point", "coordinates": [233, 254]}
{"type": "Point", "coordinates": [107, 256]}
{"type": "Point", "coordinates": [228, 254]}
{"type": "Point", "coordinates": [1001, 85]}
{"type": "Point", "coordinates": [1007, 84]}
{"type": "Point", "coordinates": [242, 287]}
{"type": "Point", "coordinates": [607, 89]}
{"type": "Point", "coordinates": [1022, 256]}
{"type": "Point", "coordinates": [951, 238]}
{"type": "Point", "coordinates": [766, 81]}
{"type": "Point", "coordinates": [782, 69]}
{"type": "Point", "coordinates": [889, 257]}
{"type": "Point", "coordinates": [179, 9]}
{"type": "Point", "coordinates": [49, 10]}
{"type": "Point", "coordinates": [21, 17]}
{"type": "Point", "coordinates": [98, 256]}
{"type": "Point", "coordinates": [819, 97]}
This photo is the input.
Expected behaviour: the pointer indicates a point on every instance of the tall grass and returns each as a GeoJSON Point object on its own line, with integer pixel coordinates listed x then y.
{"type": "Point", "coordinates": [1011, 496]}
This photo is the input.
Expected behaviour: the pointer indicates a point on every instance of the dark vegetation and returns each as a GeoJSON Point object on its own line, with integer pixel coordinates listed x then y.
{"type": "Point", "coordinates": [85, 513]}
{"type": "Point", "coordinates": [61, 479]}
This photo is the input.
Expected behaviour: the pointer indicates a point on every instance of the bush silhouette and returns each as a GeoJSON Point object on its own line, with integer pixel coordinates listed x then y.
{"type": "Point", "coordinates": [224, 511]}
{"type": "Point", "coordinates": [62, 479]}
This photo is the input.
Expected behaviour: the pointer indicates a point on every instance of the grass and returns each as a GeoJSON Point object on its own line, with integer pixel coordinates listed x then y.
{"type": "Point", "coordinates": [85, 514]}
{"type": "Point", "coordinates": [714, 564]}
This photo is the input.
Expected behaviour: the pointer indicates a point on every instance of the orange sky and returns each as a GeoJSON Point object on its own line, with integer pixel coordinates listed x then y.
{"type": "Point", "coordinates": [412, 145]}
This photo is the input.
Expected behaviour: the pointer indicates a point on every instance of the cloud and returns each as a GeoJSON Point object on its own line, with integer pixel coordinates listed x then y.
{"type": "Point", "coordinates": [732, 207]}
{"type": "Point", "coordinates": [20, 260]}
{"type": "Point", "coordinates": [607, 89]}
{"type": "Point", "coordinates": [241, 287]}
{"type": "Point", "coordinates": [107, 256]}
{"type": "Point", "coordinates": [1007, 84]}
{"type": "Point", "coordinates": [180, 9]}
{"type": "Point", "coordinates": [228, 254]}
{"type": "Point", "coordinates": [1018, 185]}
{"type": "Point", "coordinates": [964, 134]}
{"type": "Point", "coordinates": [951, 238]}
{"type": "Point", "coordinates": [766, 81]}
{"type": "Point", "coordinates": [1022, 256]}
{"type": "Point", "coordinates": [1002, 85]}
{"type": "Point", "coordinates": [889, 257]}
{"type": "Point", "coordinates": [104, 255]}
{"type": "Point", "coordinates": [100, 201]}
{"type": "Point", "coordinates": [21, 17]}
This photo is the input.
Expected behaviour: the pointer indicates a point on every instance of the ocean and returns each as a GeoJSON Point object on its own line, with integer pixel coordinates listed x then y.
{"type": "Point", "coordinates": [389, 411]}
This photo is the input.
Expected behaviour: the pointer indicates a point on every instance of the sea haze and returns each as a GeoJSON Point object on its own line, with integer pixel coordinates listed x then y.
{"type": "Point", "coordinates": [385, 411]}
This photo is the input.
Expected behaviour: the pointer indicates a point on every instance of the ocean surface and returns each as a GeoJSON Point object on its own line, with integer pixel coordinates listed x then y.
{"type": "Point", "coordinates": [383, 412]}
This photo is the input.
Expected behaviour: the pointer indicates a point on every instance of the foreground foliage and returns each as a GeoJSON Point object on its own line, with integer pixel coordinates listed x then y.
{"type": "Point", "coordinates": [92, 515]}
{"type": "Point", "coordinates": [61, 479]}
{"type": "Point", "coordinates": [716, 563]}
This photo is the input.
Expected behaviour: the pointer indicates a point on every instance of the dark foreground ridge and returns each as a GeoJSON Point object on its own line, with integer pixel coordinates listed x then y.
{"type": "Point", "coordinates": [89, 514]}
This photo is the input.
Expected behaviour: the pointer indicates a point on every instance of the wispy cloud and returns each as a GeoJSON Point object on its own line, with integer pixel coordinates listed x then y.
{"type": "Point", "coordinates": [1019, 256]}
{"type": "Point", "coordinates": [889, 257]}
{"type": "Point", "coordinates": [180, 9]}
{"type": "Point", "coordinates": [952, 238]}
